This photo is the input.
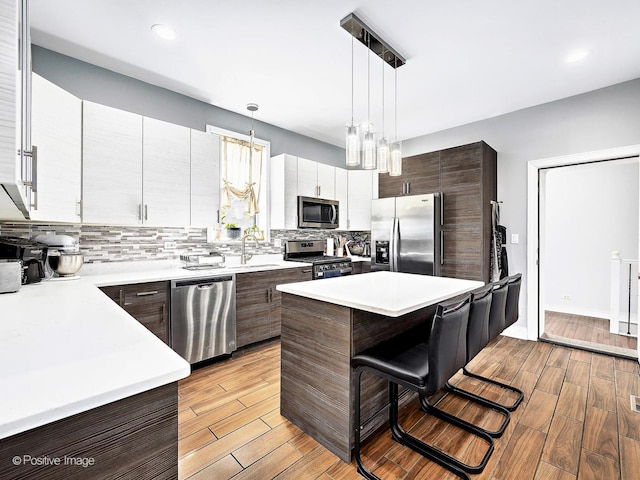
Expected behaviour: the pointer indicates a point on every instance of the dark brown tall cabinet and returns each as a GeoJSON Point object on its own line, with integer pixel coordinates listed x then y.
{"type": "Point", "coordinates": [467, 178]}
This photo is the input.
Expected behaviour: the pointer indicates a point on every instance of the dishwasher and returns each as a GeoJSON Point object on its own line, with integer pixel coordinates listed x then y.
{"type": "Point", "coordinates": [203, 317]}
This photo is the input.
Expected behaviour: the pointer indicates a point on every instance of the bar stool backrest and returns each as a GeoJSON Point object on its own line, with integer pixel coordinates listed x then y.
{"type": "Point", "coordinates": [513, 297]}
{"type": "Point", "coordinates": [498, 308]}
{"type": "Point", "coordinates": [478, 328]}
{"type": "Point", "coordinates": [447, 344]}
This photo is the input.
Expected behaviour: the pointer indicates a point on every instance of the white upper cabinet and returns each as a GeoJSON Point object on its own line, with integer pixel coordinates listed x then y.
{"type": "Point", "coordinates": [284, 192]}
{"type": "Point", "coordinates": [205, 178]}
{"type": "Point", "coordinates": [166, 176]}
{"type": "Point", "coordinates": [56, 131]}
{"type": "Point", "coordinates": [326, 181]}
{"type": "Point", "coordinates": [342, 197]}
{"type": "Point", "coordinates": [360, 193]}
{"type": "Point", "coordinates": [316, 179]}
{"type": "Point", "coordinates": [112, 166]}
{"type": "Point", "coordinates": [307, 178]}
{"type": "Point", "coordinates": [13, 100]}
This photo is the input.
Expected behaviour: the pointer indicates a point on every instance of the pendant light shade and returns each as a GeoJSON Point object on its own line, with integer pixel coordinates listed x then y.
{"type": "Point", "coordinates": [395, 166]}
{"type": "Point", "coordinates": [383, 155]}
{"type": "Point", "coordinates": [369, 149]}
{"type": "Point", "coordinates": [353, 146]}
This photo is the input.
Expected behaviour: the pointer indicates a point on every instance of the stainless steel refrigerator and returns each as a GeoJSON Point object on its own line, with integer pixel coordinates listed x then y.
{"type": "Point", "coordinates": [405, 234]}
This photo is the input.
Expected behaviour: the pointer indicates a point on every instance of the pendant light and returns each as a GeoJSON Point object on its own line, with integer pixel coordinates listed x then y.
{"type": "Point", "coordinates": [383, 145]}
{"type": "Point", "coordinates": [369, 139]}
{"type": "Point", "coordinates": [395, 168]}
{"type": "Point", "coordinates": [352, 144]}
{"type": "Point", "coordinates": [366, 149]}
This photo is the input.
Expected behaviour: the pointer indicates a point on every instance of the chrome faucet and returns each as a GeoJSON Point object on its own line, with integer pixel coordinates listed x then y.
{"type": "Point", "coordinates": [244, 256]}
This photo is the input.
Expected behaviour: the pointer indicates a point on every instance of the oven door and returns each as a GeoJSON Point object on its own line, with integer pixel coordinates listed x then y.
{"type": "Point", "coordinates": [318, 213]}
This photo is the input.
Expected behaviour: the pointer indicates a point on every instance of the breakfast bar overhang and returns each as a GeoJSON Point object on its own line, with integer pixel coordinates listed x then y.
{"type": "Point", "coordinates": [325, 323]}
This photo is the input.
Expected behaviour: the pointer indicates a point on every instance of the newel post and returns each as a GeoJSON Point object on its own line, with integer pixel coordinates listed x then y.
{"type": "Point", "coordinates": [614, 302]}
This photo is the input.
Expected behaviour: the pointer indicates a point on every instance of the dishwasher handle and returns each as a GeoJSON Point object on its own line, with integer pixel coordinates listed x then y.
{"type": "Point", "coordinates": [201, 282]}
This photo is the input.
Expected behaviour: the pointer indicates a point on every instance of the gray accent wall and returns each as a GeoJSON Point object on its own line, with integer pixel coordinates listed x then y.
{"type": "Point", "coordinates": [106, 87]}
{"type": "Point", "coordinates": [597, 120]}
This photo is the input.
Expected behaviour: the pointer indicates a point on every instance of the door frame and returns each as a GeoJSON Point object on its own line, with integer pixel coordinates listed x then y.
{"type": "Point", "coordinates": [534, 313]}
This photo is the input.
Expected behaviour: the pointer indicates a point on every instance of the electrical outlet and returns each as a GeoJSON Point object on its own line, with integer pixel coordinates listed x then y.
{"type": "Point", "coordinates": [515, 238]}
{"type": "Point", "coordinates": [169, 245]}
{"type": "Point", "coordinates": [277, 242]}
{"type": "Point", "coordinates": [566, 297]}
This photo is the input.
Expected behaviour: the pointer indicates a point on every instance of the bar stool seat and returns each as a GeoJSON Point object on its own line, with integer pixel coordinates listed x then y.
{"type": "Point", "coordinates": [422, 365]}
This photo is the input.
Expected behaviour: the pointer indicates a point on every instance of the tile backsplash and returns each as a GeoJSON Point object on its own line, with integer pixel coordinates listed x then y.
{"type": "Point", "coordinates": [100, 243]}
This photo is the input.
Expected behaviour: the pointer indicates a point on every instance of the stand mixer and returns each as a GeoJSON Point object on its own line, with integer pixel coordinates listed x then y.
{"type": "Point", "coordinates": [64, 257]}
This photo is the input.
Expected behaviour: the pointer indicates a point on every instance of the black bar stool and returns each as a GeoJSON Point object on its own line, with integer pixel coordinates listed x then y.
{"type": "Point", "coordinates": [423, 366]}
{"type": "Point", "coordinates": [513, 298]}
{"type": "Point", "coordinates": [497, 323]}
{"type": "Point", "coordinates": [477, 339]}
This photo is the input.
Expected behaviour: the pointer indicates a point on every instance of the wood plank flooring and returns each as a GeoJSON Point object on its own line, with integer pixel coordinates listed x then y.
{"type": "Point", "coordinates": [590, 332]}
{"type": "Point", "coordinates": [575, 422]}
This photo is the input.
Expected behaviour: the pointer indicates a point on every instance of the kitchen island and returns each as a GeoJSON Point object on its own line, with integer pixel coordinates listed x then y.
{"type": "Point", "coordinates": [325, 323]}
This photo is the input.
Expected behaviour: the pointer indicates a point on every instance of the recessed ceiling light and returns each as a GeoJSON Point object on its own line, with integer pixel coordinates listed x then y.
{"type": "Point", "coordinates": [163, 31]}
{"type": "Point", "coordinates": [577, 55]}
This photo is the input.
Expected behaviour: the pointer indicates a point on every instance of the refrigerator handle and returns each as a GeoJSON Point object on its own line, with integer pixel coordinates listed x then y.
{"type": "Point", "coordinates": [394, 247]}
{"type": "Point", "coordinates": [392, 243]}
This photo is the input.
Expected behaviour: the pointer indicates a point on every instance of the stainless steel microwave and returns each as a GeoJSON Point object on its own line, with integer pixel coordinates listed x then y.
{"type": "Point", "coordinates": [318, 213]}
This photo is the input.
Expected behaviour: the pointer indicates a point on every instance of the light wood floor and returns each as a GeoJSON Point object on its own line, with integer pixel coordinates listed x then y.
{"type": "Point", "coordinates": [576, 422]}
{"type": "Point", "coordinates": [588, 331]}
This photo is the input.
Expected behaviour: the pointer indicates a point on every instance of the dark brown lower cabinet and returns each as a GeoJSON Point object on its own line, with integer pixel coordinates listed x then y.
{"type": "Point", "coordinates": [258, 302]}
{"type": "Point", "coordinates": [360, 267]}
{"type": "Point", "coordinates": [146, 302]}
{"type": "Point", "coordinates": [135, 438]}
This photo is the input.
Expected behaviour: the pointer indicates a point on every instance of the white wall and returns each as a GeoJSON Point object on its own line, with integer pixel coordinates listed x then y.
{"type": "Point", "coordinates": [605, 118]}
{"type": "Point", "coordinates": [590, 210]}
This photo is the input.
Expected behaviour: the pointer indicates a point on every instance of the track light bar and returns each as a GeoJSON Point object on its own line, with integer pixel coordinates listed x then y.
{"type": "Point", "coordinates": [352, 24]}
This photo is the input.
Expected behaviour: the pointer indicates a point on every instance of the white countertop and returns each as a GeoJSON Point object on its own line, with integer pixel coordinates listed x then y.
{"type": "Point", "coordinates": [388, 293]}
{"type": "Point", "coordinates": [65, 348]}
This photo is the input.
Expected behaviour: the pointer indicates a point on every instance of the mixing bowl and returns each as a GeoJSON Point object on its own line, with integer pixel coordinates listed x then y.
{"type": "Point", "coordinates": [66, 264]}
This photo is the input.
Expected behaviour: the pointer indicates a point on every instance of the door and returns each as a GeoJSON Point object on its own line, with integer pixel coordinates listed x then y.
{"type": "Point", "coordinates": [56, 129]}
{"type": "Point", "coordinates": [383, 211]}
{"type": "Point", "coordinates": [166, 160]}
{"type": "Point", "coordinates": [111, 165]}
{"type": "Point", "coordinates": [205, 178]}
{"type": "Point", "coordinates": [360, 194]}
{"type": "Point", "coordinates": [416, 234]}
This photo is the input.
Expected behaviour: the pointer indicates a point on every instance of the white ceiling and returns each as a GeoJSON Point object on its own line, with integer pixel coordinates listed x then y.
{"type": "Point", "coordinates": [467, 60]}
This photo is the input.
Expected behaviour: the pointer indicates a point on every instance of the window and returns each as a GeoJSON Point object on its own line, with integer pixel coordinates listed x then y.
{"type": "Point", "coordinates": [243, 183]}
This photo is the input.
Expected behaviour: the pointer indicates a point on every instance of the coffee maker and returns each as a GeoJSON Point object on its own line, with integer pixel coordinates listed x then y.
{"type": "Point", "coordinates": [33, 256]}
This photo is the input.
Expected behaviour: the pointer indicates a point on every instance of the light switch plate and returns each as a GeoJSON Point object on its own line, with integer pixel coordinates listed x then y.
{"type": "Point", "coordinates": [515, 238]}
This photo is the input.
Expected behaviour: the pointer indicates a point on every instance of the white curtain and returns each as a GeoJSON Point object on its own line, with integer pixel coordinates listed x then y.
{"type": "Point", "coordinates": [241, 174]}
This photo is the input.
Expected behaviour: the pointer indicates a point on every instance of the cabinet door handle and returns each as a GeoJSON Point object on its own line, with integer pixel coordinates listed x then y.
{"type": "Point", "coordinates": [408, 188]}
{"type": "Point", "coordinates": [164, 315]}
{"type": "Point", "coordinates": [441, 247]}
{"type": "Point", "coordinates": [307, 271]}
{"type": "Point", "coordinates": [121, 297]}
{"type": "Point", "coordinates": [146, 294]}
{"type": "Point", "coordinates": [79, 208]}
{"type": "Point", "coordinates": [146, 212]}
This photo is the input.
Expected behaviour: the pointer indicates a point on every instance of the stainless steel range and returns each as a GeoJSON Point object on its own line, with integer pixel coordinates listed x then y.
{"type": "Point", "coordinates": [312, 251]}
